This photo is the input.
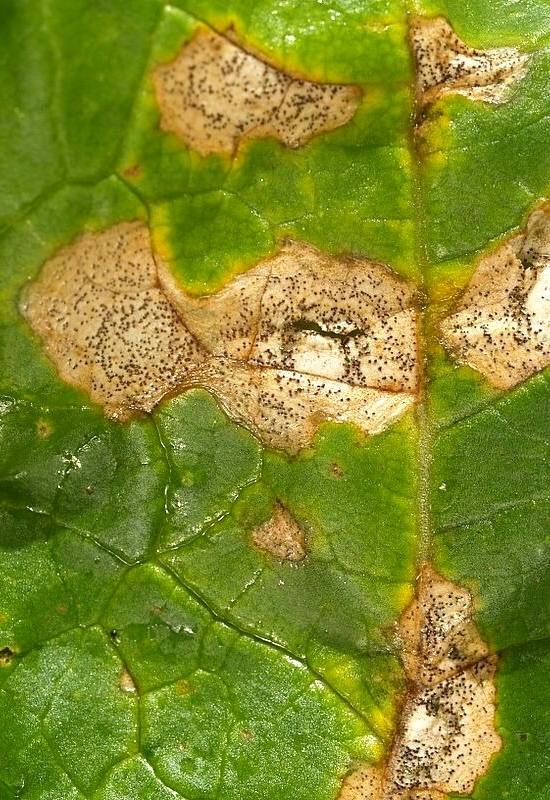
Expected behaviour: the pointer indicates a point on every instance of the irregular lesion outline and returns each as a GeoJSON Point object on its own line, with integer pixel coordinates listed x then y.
{"type": "Point", "coordinates": [200, 373]}
{"type": "Point", "coordinates": [498, 294]}
{"type": "Point", "coordinates": [172, 117]}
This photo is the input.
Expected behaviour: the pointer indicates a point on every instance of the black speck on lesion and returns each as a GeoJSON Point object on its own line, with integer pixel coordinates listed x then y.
{"type": "Point", "coordinates": [215, 94]}
{"type": "Point", "coordinates": [444, 63]}
{"type": "Point", "coordinates": [501, 323]}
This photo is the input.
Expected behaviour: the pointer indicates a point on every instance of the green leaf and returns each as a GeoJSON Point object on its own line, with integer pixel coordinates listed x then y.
{"type": "Point", "coordinates": [150, 649]}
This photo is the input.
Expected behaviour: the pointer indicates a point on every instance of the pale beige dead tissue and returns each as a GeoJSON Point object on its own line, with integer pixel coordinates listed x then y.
{"type": "Point", "coordinates": [126, 683]}
{"type": "Point", "coordinates": [501, 324]}
{"type": "Point", "coordinates": [445, 64]}
{"type": "Point", "coordinates": [281, 536]}
{"type": "Point", "coordinates": [107, 325]}
{"type": "Point", "coordinates": [286, 408]}
{"type": "Point", "coordinates": [215, 94]}
{"type": "Point", "coordinates": [446, 735]}
{"type": "Point", "coordinates": [305, 337]}
{"type": "Point", "coordinates": [225, 322]}
{"type": "Point", "coordinates": [301, 338]}
{"type": "Point", "coordinates": [342, 318]}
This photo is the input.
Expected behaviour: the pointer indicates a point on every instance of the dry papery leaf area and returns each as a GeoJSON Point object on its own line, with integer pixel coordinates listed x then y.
{"type": "Point", "coordinates": [501, 324]}
{"type": "Point", "coordinates": [301, 338]}
{"type": "Point", "coordinates": [215, 94]}
{"type": "Point", "coordinates": [445, 64]}
{"type": "Point", "coordinates": [281, 536]}
{"type": "Point", "coordinates": [446, 734]}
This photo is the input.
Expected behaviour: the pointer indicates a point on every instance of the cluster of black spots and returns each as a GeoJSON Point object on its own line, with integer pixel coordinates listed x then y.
{"type": "Point", "coordinates": [343, 320]}
{"type": "Point", "coordinates": [106, 324]}
{"type": "Point", "coordinates": [308, 337]}
{"type": "Point", "coordinates": [304, 337]}
{"type": "Point", "coordinates": [445, 64]}
{"type": "Point", "coordinates": [299, 339]}
{"type": "Point", "coordinates": [501, 324]}
{"type": "Point", "coordinates": [446, 736]}
{"type": "Point", "coordinates": [214, 94]}
{"type": "Point", "coordinates": [445, 740]}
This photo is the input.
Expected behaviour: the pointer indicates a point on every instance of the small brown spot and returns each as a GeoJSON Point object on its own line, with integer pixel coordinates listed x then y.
{"type": "Point", "coordinates": [126, 682]}
{"type": "Point", "coordinates": [44, 428]}
{"type": "Point", "coordinates": [183, 688]}
{"type": "Point", "coordinates": [215, 94]}
{"type": "Point", "coordinates": [445, 65]}
{"type": "Point", "coordinates": [446, 736]}
{"type": "Point", "coordinates": [281, 536]}
{"type": "Point", "coordinates": [501, 324]}
{"type": "Point", "coordinates": [133, 171]}
{"type": "Point", "coordinates": [336, 470]}
{"type": "Point", "coordinates": [247, 735]}
{"type": "Point", "coordinates": [6, 656]}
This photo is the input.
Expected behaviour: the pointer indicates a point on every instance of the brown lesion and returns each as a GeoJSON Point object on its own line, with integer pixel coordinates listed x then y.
{"type": "Point", "coordinates": [501, 323]}
{"type": "Point", "coordinates": [107, 325]}
{"type": "Point", "coordinates": [285, 408]}
{"type": "Point", "coordinates": [126, 683]}
{"type": "Point", "coordinates": [446, 735]}
{"type": "Point", "coordinates": [445, 64]}
{"type": "Point", "coordinates": [215, 94]}
{"type": "Point", "coordinates": [306, 337]}
{"type": "Point", "coordinates": [438, 634]}
{"type": "Point", "coordinates": [281, 536]}
{"type": "Point", "coordinates": [44, 428]}
{"type": "Point", "coordinates": [367, 783]}
{"type": "Point", "coordinates": [301, 338]}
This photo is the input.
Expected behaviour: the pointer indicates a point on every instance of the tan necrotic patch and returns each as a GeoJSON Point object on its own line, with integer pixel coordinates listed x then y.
{"type": "Point", "coordinates": [215, 94]}
{"type": "Point", "coordinates": [107, 325]}
{"type": "Point", "coordinates": [501, 324]}
{"type": "Point", "coordinates": [445, 64]}
{"type": "Point", "coordinates": [285, 409]}
{"type": "Point", "coordinates": [438, 635]}
{"type": "Point", "coordinates": [299, 339]}
{"type": "Point", "coordinates": [368, 783]}
{"type": "Point", "coordinates": [126, 683]}
{"type": "Point", "coordinates": [281, 536]}
{"type": "Point", "coordinates": [446, 736]}
{"type": "Point", "coordinates": [305, 337]}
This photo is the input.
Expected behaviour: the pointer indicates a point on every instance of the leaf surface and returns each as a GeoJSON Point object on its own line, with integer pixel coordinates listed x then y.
{"type": "Point", "coordinates": [152, 645]}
